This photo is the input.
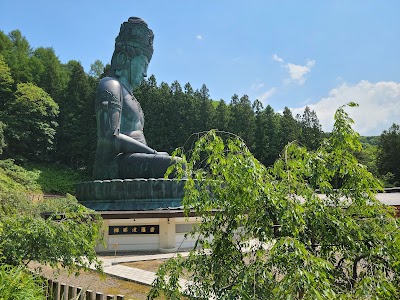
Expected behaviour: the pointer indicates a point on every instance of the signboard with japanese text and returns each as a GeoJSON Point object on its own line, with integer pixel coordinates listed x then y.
{"type": "Point", "coordinates": [137, 229]}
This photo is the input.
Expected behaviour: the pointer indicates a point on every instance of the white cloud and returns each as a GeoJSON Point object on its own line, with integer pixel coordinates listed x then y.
{"type": "Point", "coordinates": [296, 72]}
{"type": "Point", "coordinates": [267, 94]}
{"type": "Point", "coordinates": [257, 85]}
{"type": "Point", "coordinates": [379, 106]}
{"type": "Point", "coordinates": [199, 37]}
{"type": "Point", "coordinates": [277, 58]}
{"type": "Point", "coordinates": [305, 102]}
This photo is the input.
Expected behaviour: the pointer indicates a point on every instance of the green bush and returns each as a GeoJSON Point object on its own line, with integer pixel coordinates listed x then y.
{"type": "Point", "coordinates": [14, 202]}
{"type": "Point", "coordinates": [54, 178]}
{"type": "Point", "coordinates": [14, 177]}
{"type": "Point", "coordinates": [16, 283]}
{"type": "Point", "coordinates": [38, 178]}
{"type": "Point", "coordinates": [267, 233]}
{"type": "Point", "coordinates": [57, 205]}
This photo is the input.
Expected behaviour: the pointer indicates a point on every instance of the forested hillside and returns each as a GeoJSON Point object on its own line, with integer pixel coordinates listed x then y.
{"type": "Point", "coordinates": [47, 114]}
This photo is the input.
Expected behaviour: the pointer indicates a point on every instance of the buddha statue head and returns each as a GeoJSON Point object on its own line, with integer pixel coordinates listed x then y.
{"type": "Point", "coordinates": [133, 51]}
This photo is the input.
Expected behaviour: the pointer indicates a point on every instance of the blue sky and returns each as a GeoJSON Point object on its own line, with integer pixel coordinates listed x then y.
{"type": "Point", "coordinates": [284, 53]}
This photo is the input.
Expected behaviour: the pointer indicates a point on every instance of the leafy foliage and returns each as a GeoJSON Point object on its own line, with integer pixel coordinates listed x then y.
{"type": "Point", "coordinates": [31, 121]}
{"type": "Point", "coordinates": [38, 178]}
{"type": "Point", "coordinates": [267, 234]}
{"type": "Point", "coordinates": [54, 178]}
{"type": "Point", "coordinates": [2, 139]}
{"type": "Point", "coordinates": [76, 139]}
{"type": "Point", "coordinates": [96, 68]}
{"type": "Point", "coordinates": [13, 203]}
{"type": "Point", "coordinates": [311, 132]}
{"type": "Point", "coordinates": [49, 74]}
{"type": "Point", "coordinates": [289, 128]}
{"type": "Point", "coordinates": [17, 51]}
{"type": "Point", "coordinates": [17, 284]}
{"type": "Point", "coordinates": [65, 238]}
{"type": "Point", "coordinates": [16, 178]}
{"type": "Point", "coordinates": [267, 135]}
{"type": "Point", "coordinates": [388, 154]}
{"type": "Point", "coordinates": [368, 156]}
{"type": "Point", "coordinates": [6, 83]}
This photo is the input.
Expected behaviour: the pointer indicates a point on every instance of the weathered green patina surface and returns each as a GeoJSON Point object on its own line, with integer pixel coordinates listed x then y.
{"type": "Point", "coordinates": [128, 174]}
{"type": "Point", "coordinates": [131, 194]}
{"type": "Point", "coordinates": [122, 151]}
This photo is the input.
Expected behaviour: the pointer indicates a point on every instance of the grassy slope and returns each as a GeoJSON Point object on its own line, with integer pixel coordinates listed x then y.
{"type": "Point", "coordinates": [38, 178]}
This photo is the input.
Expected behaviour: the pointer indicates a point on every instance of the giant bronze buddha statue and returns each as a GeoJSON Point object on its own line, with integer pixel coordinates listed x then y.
{"type": "Point", "coordinates": [122, 151]}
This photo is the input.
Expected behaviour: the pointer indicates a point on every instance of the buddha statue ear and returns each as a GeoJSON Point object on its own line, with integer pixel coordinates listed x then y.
{"type": "Point", "coordinates": [119, 62]}
{"type": "Point", "coordinates": [122, 57]}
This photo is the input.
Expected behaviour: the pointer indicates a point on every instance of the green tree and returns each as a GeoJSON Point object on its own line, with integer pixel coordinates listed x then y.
{"type": "Point", "coordinates": [31, 122]}
{"type": "Point", "coordinates": [188, 89]}
{"type": "Point", "coordinates": [161, 115]}
{"type": "Point", "coordinates": [221, 116]}
{"type": "Point", "coordinates": [289, 128]}
{"type": "Point", "coordinates": [106, 71]}
{"type": "Point", "coordinates": [96, 69]}
{"type": "Point", "coordinates": [267, 143]}
{"type": "Point", "coordinates": [173, 114]}
{"type": "Point", "coordinates": [207, 109]}
{"type": "Point", "coordinates": [18, 56]}
{"type": "Point", "coordinates": [267, 234]}
{"type": "Point", "coordinates": [5, 44]}
{"type": "Point", "coordinates": [65, 239]}
{"type": "Point", "coordinates": [6, 83]}
{"type": "Point", "coordinates": [48, 72]}
{"type": "Point", "coordinates": [203, 109]}
{"type": "Point", "coordinates": [76, 138]}
{"type": "Point", "coordinates": [388, 154]}
{"type": "Point", "coordinates": [368, 157]}
{"type": "Point", "coordinates": [2, 138]}
{"type": "Point", "coordinates": [155, 101]}
{"type": "Point", "coordinates": [259, 131]}
{"type": "Point", "coordinates": [310, 129]}
{"type": "Point", "coordinates": [6, 86]}
{"type": "Point", "coordinates": [180, 116]}
{"type": "Point", "coordinates": [242, 118]}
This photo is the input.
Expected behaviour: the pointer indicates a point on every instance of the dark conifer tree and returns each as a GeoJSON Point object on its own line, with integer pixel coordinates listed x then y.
{"type": "Point", "coordinates": [48, 72]}
{"type": "Point", "coordinates": [266, 144]}
{"type": "Point", "coordinates": [311, 131]}
{"type": "Point", "coordinates": [5, 44]}
{"type": "Point", "coordinates": [77, 135]}
{"type": "Point", "coordinates": [6, 84]}
{"type": "Point", "coordinates": [389, 154]}
{"type": "Point", "coordinates": [188, 89]}
{"type": "Point", "coordinates": [221, 117]}
{"type": "Point", "coordinates": [289, 128]}
{"type": "Point", "coordinates": [242, 119]}
{"type": "Point", "coordinates": [18, 56]}
{"type": "Point", "coordinates": [205, 109]}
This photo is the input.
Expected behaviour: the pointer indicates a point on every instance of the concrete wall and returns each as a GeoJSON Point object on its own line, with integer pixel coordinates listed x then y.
{"type": "Point", "coordinates": [171, 236]}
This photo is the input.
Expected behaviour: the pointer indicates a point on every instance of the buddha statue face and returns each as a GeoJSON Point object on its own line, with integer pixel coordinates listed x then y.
{"type": "Point", "coordinates": [138, 70]}
{"type": "Point", "coordinates": [133, 51]}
